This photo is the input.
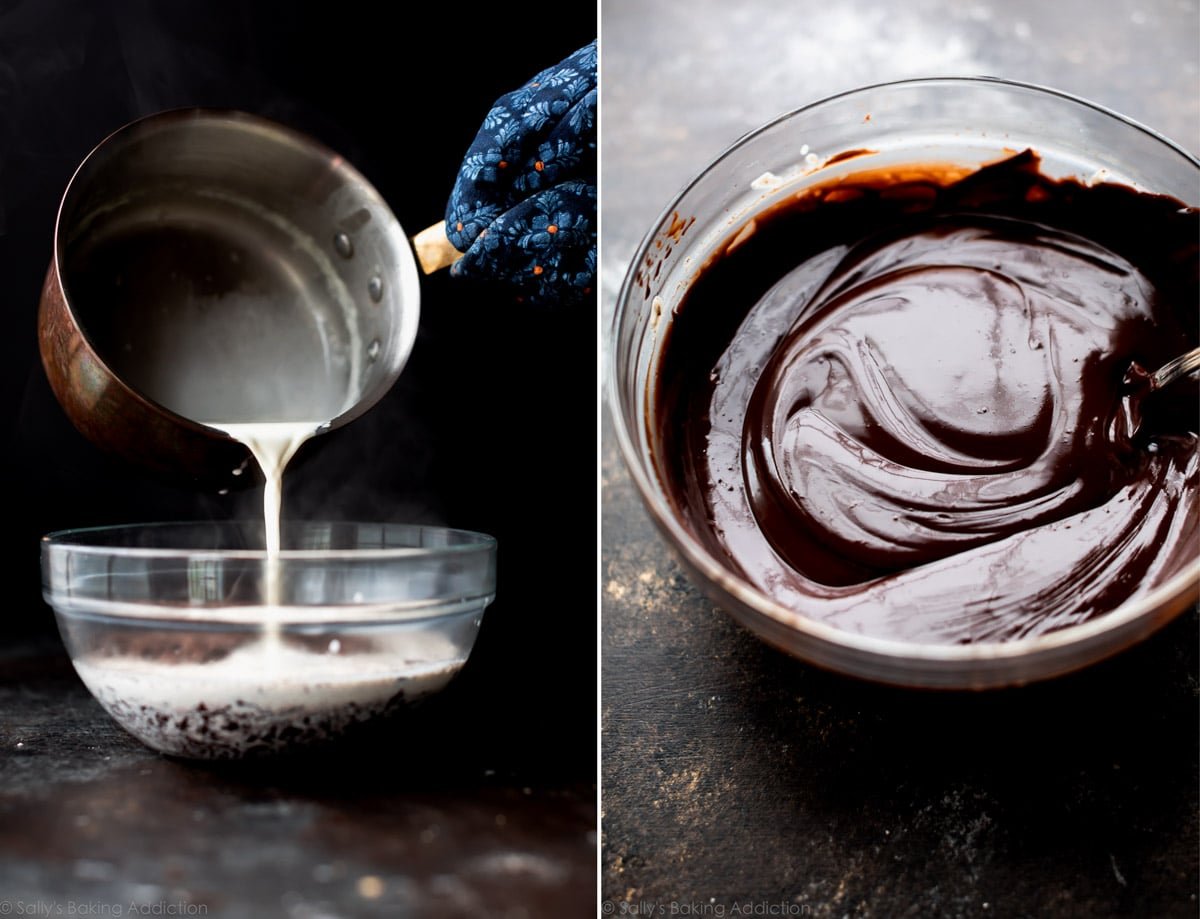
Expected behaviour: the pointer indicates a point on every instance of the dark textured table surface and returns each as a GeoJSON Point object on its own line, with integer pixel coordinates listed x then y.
{"type": "Point", "coordinates": [736, 777]}
{"type": "Point", "coordinates": [419, 819]}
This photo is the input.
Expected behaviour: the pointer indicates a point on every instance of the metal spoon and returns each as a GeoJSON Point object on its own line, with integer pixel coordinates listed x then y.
{"type": "Point", "coordinates": [1126, 422]}
{"type": "Point", "coordinates": [1172, 370]}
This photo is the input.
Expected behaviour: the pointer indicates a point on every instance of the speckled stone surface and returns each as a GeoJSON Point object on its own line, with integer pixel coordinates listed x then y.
{"type": "Point", "coordinates": [736, 779]}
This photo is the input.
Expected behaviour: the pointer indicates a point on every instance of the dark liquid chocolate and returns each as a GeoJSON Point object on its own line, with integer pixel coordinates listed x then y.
{"type": "Point", "coordinates": [907, 404]}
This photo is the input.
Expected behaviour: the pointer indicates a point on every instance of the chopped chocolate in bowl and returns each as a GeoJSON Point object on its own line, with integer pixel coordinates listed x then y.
{"type": "Point", "coordinates": [894, 405]}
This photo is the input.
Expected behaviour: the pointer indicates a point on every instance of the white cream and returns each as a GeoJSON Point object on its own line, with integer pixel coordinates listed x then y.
{"type": "Point", "coordinates": [287, 679]}
{"type": "Point", "coordinates": [272, 445]}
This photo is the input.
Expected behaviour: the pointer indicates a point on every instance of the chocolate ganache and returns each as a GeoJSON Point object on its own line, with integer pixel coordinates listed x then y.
{"type": "Point", "coordinates": [907, 403]}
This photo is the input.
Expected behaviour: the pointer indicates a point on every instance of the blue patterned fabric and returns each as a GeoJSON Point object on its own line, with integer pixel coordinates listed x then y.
{"type": "Point", "coordinates": [523, 210]}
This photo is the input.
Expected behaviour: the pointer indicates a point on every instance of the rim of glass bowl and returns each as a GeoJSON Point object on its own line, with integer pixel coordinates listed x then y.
{"type": "Point", "coordinates": [74, 540]}
{"type": "Point", "coordinates": [80, 541]}
{"type": "Point", "coordinates": [1173, 596]}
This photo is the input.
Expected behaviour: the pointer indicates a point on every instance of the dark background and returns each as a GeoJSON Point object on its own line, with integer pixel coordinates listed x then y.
{"type": "Point", "coordinates": [491, 426]}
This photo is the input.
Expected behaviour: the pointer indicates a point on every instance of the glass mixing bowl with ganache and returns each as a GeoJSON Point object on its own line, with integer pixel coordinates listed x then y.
{"type": "Point", "coordinates": [910, 402]}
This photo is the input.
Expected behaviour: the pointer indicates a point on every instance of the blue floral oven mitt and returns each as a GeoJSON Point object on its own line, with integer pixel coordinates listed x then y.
{"type": "Point", "coordinates": [523, 209]}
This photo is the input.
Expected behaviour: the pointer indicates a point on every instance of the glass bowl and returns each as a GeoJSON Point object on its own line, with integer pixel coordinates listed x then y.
{"type": "Point", "coordinates": [959, 121]}
{"type": "Point", "coordinates": [168, 627]}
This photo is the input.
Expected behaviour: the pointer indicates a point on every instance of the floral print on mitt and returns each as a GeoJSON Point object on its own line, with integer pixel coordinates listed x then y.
{"type": "Point", "coordinates": [523, 209]}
